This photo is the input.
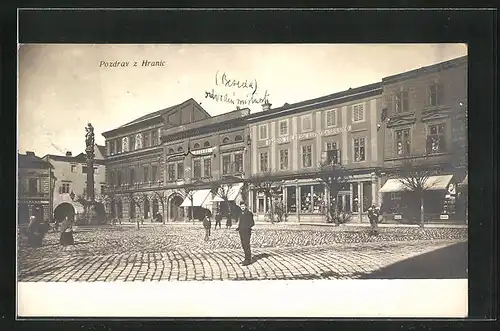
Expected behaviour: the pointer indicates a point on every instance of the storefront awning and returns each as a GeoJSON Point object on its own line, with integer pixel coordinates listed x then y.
{"type": "Point", "coordinates": [199, 198]}
{"type": "Point", "coordinates": [231, 191]}
{"type": "Point", "coordinates": [433, 183]}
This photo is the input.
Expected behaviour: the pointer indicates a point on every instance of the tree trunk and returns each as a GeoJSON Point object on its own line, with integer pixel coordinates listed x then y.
{"type": "Point", "coordinates": [163, 212]}
{"type": "Point", "coordinates": [137, 223]}
{"type": "Point", "coordinates": [422, 210]}
{"type": "Point", "coordinates": [230, 219]}
{"type": "Point", "coordinates": [271, 208]}
{"type": "Point", "coordinates": [192, 211]}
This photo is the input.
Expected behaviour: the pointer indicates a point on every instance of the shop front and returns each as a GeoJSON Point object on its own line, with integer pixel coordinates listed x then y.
{"type": "Point", "coordinates": [196, 202]}
{"type": "Point", "coordinates": [401, 205]}
{"type": "Point", "coordinates": [306, 200]}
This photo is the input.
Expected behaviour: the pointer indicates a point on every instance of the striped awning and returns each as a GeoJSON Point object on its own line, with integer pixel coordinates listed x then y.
{"type": "Point", "coordinates": [196, 198]}
{"type": "Point", "coordinates": [231, 191]}
{"type": "Point", "coordinates": [465, 182]}
{"type": "Point", "coordinates": [433, 183]}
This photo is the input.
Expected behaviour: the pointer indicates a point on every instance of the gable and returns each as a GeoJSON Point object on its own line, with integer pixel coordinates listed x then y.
{"type": "Point", "coordinates": [185, 113]}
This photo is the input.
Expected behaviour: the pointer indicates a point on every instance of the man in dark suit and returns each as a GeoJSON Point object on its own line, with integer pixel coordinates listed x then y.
{"type": "Point", "coordinates": [245, 225]}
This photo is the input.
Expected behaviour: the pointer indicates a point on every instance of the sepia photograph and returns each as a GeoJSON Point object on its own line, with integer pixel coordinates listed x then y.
{"type": "Point", "coordinates": [200, 167]}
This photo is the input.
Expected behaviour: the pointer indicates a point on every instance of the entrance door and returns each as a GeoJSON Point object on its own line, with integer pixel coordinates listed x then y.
{"type": "Point", "coordinates": [344, 202]}
{"type": "Point", "coordinates": [176, 211]}
{"type": "Point", "coordinates": [37, 211]}
{"type": "Point", "coordinates": [146, 208]}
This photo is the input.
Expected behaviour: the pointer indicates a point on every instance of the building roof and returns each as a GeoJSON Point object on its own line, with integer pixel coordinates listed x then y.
{"type": "Point", "coordinates": [102, 149]}
{"type": "Point", "coordinates": [338, 97]}
{"type": "Point", "coordinates": [30, 160]}
{"type": "Point", "coordinates": [427, 69]}
{"type": "Point", "coordinates": [80, 158]}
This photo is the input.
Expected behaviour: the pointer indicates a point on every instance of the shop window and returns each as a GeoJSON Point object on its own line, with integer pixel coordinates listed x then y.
{"type": "Point", "coordinates": [318, 199]}
{"type": "Point", "coordinates": [291, 199]}
{"type": "Point", "coordinates": [436, 142]}
{"type": "Point", "coordinates": [306, 200]}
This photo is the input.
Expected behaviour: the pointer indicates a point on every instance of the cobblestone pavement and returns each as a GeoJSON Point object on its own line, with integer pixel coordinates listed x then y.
{"type": "Point", "coordinates": [179, 253]}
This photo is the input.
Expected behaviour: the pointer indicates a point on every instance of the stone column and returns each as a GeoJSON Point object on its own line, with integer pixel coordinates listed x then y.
{"type": "Point", "coordinates": [374, 182]}
{"type": "Point", "coordinates": [360, 201]}
{"type": "Point", "coordinates": [297, 199]}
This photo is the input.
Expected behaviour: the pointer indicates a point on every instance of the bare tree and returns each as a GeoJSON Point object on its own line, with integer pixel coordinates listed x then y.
{"type": "Point", "coordinates": [415, 179]}
{"type": "Point", "coordinates": [189, 193]}
{"type": "Point", "coordinates": [271, 187]}
{"type": "Point", "coordinates": [136, 201]}
{"type": "Point", "coordinates": [334, 176]}
{"type": "Point", "coordinates": [224, 191]}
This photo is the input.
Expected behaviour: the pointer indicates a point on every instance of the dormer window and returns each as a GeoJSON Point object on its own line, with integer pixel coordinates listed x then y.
{"type": "Point", "coordinates": [225, 140]}
{"type": "Point", "coordinates": [180, 149]}
{"type": "Point", "coordinates": [206, 144]}
{"type": "Point", "coordinates": [238, 138]}
{"type": "Point", "coordinates": [170, 151]}
{"type": "Point", "coordinates": [196, 146]}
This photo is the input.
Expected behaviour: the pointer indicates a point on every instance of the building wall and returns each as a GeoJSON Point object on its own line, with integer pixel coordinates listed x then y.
{"type": "Point", "coordinates": [420, 115]}
{"type": "Point", "coordinates": [40, 198]}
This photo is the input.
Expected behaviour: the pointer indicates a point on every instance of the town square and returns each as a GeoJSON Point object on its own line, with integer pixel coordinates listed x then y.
{"type": "Point", "coordinates": [361, 182]}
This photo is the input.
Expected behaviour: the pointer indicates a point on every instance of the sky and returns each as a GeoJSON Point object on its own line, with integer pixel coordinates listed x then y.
{"type": "Point", "coordinates": [62, 87]}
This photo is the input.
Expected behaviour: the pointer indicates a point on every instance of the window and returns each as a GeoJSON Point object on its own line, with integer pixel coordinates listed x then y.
{"type": "Point", "coordinates": [403, 143]}
{"type": "Point", "coordinates": [359, 149]}
{"type": "Point", "coordinates": [196, 146]}
{"type": "Point", "coordinates": [84, 169]}
{"type": "Point", "coordinates": [332, 153]}
{"type": "Point", "coordinates": [112, 178]}
{"type": "Point", "coordinates": [436, 139]}
{"type": "Point", "coordinates": [111, 147]}
{"type": "Point", "coordinates": [331, 117]}
{"type": "Point", "coordinates": [171, 172]}
{"type": "Point", "coordinates": [284, 159]}
{"type": "Point", "coordinates": [180, 149]}
{"type": "Point", "coordinates": [138, 141]}
{"type": "Point", "coordinates": [226, 163]}
{"type": "Point", "coordinates": [283, 127]}
{"type": "Point", "coordinates": [96, 170]}
{"type": "Point", "coordinates": [238, 138]}
{"type": "Point", "coordinates": [197, 168]}
{"type": "Point", "coordinates": [180, 170]}
{"type": "Point", "coordinates": [171, 151]}
{"type": "Point", "coordinates": [238, 163]}
{"type": "Point", "coordinates": [206, 144]}
{"type": "Point", "coordinates": [154, 138]}
{"type": "Point", "coordinates": [131, 178]}
{"type": "Point", "coordinates": [263, 132]}
{"type": "Point", "coordinates": [207, 167]}
{"type": "Point", "coordinates": [401, 103]}
{"type": "Point", "coordinates": [264, 165]}
{"type": "Point", "coordinates": [225, 140]}
{"type": "Point", "coordinates": [125, 144]}
{"type": "Point", "coordinates": [358, 113]}
{"type": "Point", "coordinates": [146, 140]}
{"type": "Point", "coordinates": [118, 145]}
{"type": "Point", "coordinates": [435, 97]}
{"type": "Point", "coordinates": [132, 142]}
{"type": "Point", "coordinates": [307, 156]}
{"type": "Point", "coordinates": [145, 170]}
{"type": "Point", "coordinates": [64, 188]}
{"type": "Point", "coordinates": [73, 168]}
{"type": "Point", "coordinates": [306, 123]}
{"type": "Point", "coordinates": [154, 173]}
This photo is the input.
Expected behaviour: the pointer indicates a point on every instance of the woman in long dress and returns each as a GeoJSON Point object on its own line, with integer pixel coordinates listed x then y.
{"type": "Point", "coordinates": [66, 237]}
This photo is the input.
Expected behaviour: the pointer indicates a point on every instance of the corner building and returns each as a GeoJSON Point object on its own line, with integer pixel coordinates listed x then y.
{"type": "Point", "coordinates": [426, 124]}
{"type": "Point", "coordinates": [135, 163]}
{"type": "Point", "coordinates": [290, 142]}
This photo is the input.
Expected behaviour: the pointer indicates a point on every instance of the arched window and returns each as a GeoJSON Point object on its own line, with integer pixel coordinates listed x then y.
{"type": "Point", "coordinates": [238, 138]}
{"type": "Point", "coordinates": [170, 151]}
{"type": "Point", "coordinates": [196, 146]}
{"type": "Point", "coordinates": [206, 144]}
{"type": "Point", "coordinates": [179, 149]}
{"type": "Point", "coordinates": [225, 140]}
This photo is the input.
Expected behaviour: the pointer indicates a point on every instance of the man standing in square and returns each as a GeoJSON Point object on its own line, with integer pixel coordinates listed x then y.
{"type": "Point", "coordinates": [245, 225]}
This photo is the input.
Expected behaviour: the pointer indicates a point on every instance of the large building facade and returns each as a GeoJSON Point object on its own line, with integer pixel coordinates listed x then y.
{"type": "Point", "coordinates": [70, 174]}
{"type": "Point", "coordinates": [426, 126]}
{"type": "Point", "coordinates": [291, 142]}
{"type": "Point", "coordinates": [35, 184]}
{"type": "Point", "coordinates": [169, 161]}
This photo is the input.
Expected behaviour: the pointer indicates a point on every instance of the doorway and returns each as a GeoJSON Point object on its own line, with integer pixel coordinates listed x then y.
{"type": "Point", "coordinates": [176, 211]}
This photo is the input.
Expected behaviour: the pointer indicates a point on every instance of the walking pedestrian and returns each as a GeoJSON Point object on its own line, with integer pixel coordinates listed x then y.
{"type": "Point", "coordinates": [207, 224]}
{"type": "Point", "coordinates": [66, 237]}
{"type": "Point", "coordinates": [36, 231]}
{"type": "Point", "coordinates": [218, 219]}
{"type": "Point", "coordinates": [373, 215]}
{"type": "Point", "coordinates": [245, 225]}
{"type": "Point", "coordinates": [229, 222]}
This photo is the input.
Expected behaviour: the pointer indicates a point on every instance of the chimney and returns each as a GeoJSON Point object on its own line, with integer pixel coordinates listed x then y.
{"type": "Point", "coordinates": [68, 153]}
{"type": "Point", "coordinates": [266, 106]}
{"type": "Point", "coordinates": [30, 153]}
